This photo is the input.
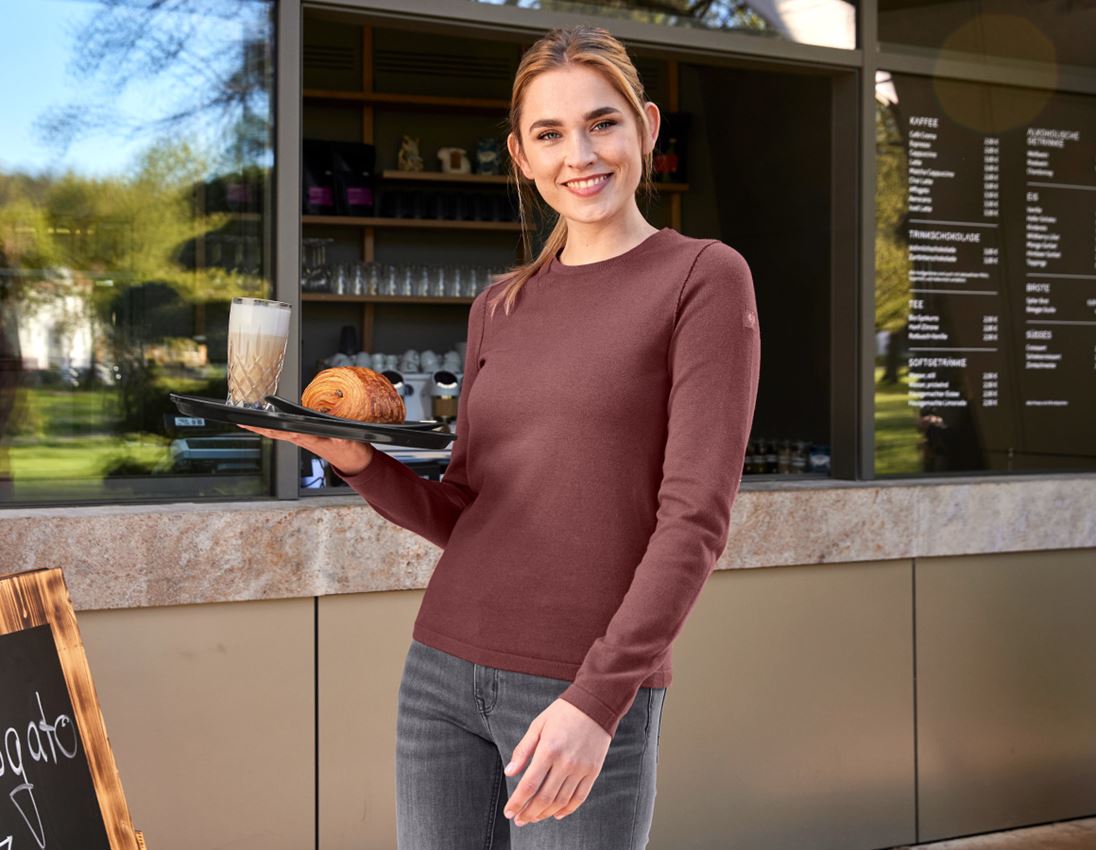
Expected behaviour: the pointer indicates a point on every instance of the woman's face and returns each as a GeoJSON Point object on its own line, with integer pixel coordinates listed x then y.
{"type": "Point", "coordinates": [581, 144]}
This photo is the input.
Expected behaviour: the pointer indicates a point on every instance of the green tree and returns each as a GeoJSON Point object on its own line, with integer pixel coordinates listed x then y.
{"type": "Point", "coordinates": [892, 266]}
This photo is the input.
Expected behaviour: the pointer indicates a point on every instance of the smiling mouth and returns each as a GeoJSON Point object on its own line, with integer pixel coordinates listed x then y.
{"type": "Point", "coordinates": [587, 182]}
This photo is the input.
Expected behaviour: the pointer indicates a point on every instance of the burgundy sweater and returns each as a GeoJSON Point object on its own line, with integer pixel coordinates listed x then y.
{"type": "Point", "coordinates": [602, 428]}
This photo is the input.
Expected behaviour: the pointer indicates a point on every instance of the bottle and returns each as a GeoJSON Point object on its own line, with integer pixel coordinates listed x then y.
{"type": "Point", "coordinates": [799, 457]}
{"type": "Point", "coordinates": [784, 458]}
{"type": "Point", "coordinates": [751, 457]}
{"type": "Point", "coordinates": [671, 162]}
{"type": "Point", "coordinates": [771, 465]}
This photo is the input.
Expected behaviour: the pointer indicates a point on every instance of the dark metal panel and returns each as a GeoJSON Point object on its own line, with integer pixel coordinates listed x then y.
{"type": "Point", "coordinates": [868, 17]}
{"type": "Point", "coordinates": [1009, 73]}
{"type": "Point", "coordinates": [789, 722]}
{"type": "Point", "coordinates": [287, 223]}
{"type": "Point", "coordinates": [1006, 646]}
{"type": "Point", "coordinates": [844, 275]}
{"type": "Point", "coordinates": [504, 19]}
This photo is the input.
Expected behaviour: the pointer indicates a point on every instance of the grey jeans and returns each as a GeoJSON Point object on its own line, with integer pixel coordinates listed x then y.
{"type": "Point", "coordinates": [458, 724]}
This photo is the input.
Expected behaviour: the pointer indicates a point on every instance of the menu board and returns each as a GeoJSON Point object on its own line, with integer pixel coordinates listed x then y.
{"type": "Point", "coordinates": [1000, 230]}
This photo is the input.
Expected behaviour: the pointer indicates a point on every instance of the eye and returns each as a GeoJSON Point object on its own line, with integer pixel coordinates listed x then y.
{"type": "Point", "coordinates": [544, 136]}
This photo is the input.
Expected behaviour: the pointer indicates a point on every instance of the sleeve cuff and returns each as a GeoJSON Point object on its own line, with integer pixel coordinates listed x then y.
{"type": "Point", "coordinates": [590, 705]}
{"type": "Point", "coordinates": [371, 471]}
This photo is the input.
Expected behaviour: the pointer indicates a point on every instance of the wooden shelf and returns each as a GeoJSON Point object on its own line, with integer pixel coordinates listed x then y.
{"type": "Point", "coordinates": [426, 223]}
{"type": "Point", "coordinates": [417, 101]}
{"type": "Point", "coordinates": [366, 107]}
{"type": "Point", "coordinates": [443, 177]}
{"type": "Point", "coordinates": [385, 299]}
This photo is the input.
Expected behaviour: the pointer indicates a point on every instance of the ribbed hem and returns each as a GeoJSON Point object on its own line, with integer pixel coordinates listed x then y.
{"type": "Point", "coordinates": [594, 708]}
{"type": "Point", "coordinates": [374, 469]}
{"type": "Point", "coordinates": [562, 670]}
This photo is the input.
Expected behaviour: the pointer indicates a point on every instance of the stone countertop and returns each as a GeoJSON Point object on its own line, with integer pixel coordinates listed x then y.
{"type": "Point", "coordinates": [136, 556]}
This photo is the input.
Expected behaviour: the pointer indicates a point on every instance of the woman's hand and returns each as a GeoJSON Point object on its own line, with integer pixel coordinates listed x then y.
{"type": "Point", "coordinates": [568, 742]}
{"type": "Point", "coordinates": [349, 456]}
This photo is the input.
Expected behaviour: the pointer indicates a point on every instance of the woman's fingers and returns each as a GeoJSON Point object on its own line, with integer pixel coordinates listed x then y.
{"type": "Point", "coordinates": [577, 798]}
{"type": "Point", "coordinates": [563, 798]}
{"type": "Point", "coordinates": [545, 801]}
{"type": "Point", "coordinates": [344, 454]}
{"type": "Point", "coordinates": [313, 444]}
{"type": "Point", "coordinates": [271, 433]}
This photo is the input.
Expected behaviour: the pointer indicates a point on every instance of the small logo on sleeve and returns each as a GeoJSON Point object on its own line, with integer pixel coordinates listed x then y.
{"type": "Point", "coordinates": [749, 320]}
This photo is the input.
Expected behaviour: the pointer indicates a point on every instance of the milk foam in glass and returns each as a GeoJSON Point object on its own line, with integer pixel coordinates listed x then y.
{"type": "Point", "coordinates": [257, 335]}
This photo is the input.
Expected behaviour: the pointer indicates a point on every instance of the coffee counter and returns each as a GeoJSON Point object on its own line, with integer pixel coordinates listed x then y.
{"type": "Point", "coordinates": [190, 553]}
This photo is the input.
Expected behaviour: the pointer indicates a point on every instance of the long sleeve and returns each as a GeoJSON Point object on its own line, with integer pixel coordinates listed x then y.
{"type": "Point", "coordinates": [713, 360]}
{"type": "Point", "coordinates": [399, 494]}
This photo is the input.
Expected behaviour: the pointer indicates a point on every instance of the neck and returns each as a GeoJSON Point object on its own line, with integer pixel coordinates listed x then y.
{"type": "Point", "coordinates": [591, 242]}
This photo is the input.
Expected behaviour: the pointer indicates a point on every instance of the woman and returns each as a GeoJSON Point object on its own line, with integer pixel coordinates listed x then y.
{"type": "Point", "coordinates": [603, 423]}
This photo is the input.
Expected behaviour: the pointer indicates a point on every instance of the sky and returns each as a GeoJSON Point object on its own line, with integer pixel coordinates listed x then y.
{"type": "Point", "coordinates": [38, 39]}
{"type": "Point", "coordinates": [37, 45]}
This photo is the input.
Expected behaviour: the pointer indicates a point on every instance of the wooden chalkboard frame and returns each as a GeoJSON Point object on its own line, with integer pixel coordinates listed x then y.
{"type": "Point", "coordinates": [41, 597]}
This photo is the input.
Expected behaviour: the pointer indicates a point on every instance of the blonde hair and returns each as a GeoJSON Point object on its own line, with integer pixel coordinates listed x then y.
{"type": "Point", "coordinates": [562, 47]}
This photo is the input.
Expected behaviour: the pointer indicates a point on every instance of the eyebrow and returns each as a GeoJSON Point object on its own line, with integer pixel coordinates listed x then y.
{"type": "Point", "coordinates": [590, 116]}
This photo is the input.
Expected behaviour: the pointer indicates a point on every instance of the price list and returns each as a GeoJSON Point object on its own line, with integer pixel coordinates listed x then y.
{"type": "Point", "coordinates": [1001, 235]}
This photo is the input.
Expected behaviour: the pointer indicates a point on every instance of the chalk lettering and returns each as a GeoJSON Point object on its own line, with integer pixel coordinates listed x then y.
{"type": "Point", "coordinates": [61, 739]}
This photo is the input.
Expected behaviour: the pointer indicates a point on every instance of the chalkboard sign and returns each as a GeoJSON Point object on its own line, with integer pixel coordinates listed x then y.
{"type": "Point", "coordinates": [59, 786]}
{"type": "Point", "coordinates": [46, 778]}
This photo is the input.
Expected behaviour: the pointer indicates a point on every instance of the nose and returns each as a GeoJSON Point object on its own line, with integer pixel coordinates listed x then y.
{"type": "Point", "coordinates": [580, 152]}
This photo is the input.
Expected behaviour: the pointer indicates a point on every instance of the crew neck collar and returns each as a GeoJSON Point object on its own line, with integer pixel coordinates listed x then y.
{"type": "Point", "coordinates": [555, 267]}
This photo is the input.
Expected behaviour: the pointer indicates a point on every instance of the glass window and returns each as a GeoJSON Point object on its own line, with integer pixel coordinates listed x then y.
{"type": "Point", "coordinates": [134, 204]}
{"type": "Point", "coordinates": [985, 278]}
{"type": "Point", "coordinates": [389, 286]}
{"type": "Point", "coordinates": [828, 23]}
{"type": "Point", "coordinates": [1054, 33]}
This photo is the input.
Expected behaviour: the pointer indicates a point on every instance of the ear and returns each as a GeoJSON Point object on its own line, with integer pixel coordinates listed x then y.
{"type": "Point", "coordinates": [654, 121]}
{"type": "Point", "coordinates": [517, 156]}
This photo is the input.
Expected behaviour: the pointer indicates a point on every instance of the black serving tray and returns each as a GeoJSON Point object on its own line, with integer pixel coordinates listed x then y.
{"type": "Point", "coordinates": [416, 433]}
{"type": "Point", "coordinates": [287, 406]}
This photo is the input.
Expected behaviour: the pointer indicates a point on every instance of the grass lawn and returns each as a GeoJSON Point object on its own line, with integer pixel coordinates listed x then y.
{"type": "Point", "coordinates": [63, 441]}
{"type": "Point", "coordinates": [896, 434]}
{"type": "Point", "coordinates": [80, 457]}
{"type": "Point", "coordinates": [62, 433]}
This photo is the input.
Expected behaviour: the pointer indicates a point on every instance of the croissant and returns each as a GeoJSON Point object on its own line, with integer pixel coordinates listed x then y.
{"type": "Point", "coordinates": [354, 392]}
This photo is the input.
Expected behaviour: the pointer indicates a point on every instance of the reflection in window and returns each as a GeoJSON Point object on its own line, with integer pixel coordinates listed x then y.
{"type": "Point", "coordinates": [985, 296]}
{"type": "Point", "coordinates": [1051, 33]}
{"type": "Point", "coordinates": [134, 204]}
{"type": "Point", "coordinates": [829, 23]}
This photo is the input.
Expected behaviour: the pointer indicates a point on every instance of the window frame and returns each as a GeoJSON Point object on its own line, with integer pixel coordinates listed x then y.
{"type": "Point", "coordinates": [853, 71]}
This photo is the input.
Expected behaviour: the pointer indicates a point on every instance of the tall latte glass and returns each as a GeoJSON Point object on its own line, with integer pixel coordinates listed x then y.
{"type": "Point", "coordinates": [257, 334]}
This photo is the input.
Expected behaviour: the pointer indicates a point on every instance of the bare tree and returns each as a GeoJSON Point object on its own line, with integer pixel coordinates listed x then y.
{"type": "Point", "coordinates": [217, 76]}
